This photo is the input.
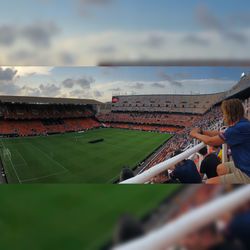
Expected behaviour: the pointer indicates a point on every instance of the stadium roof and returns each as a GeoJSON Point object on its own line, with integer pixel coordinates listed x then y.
{"type": "Point", "coordinates": [46, 100]}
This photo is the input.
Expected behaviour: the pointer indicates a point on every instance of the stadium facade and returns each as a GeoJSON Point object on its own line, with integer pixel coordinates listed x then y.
{"type": "Point", "coordinates": [193, 104]}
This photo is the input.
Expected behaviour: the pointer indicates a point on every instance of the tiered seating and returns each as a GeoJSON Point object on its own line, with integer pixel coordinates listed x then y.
{"type": "Point", "coordinates": [81, 124]}
{"type": "Point", "coordinates": [37, 127]}
{"type": "Point", "coordinates": [180, 120]}
{"type": "Point", "coordinates": [157, 128]}
{"type": "Point", "coordinates": [21, 111]}
{"type": "Point", "coordinates": [192, 104]}
{"type": "Point", "coordinates": [40, 119]}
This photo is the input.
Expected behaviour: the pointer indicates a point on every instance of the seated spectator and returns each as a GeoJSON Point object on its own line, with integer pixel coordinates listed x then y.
{"type": "Point", "coordinates": [203, 151]}
{"type": "Point", "coordinates": [128, 228]}
{"type": "Point", "coordinates": [186, 172]}
{"type": "Point", "coordinates": [237, 136]}
{"type": "Point", "coordinates": [209, 164]}
{"type": "Point", "coordinates": [126, 174]}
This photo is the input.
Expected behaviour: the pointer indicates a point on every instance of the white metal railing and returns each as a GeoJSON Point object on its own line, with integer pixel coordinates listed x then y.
{"type": "Point", "coordinates": [163, 166]}
{"type": "Point", "coordinates": [170, 234]}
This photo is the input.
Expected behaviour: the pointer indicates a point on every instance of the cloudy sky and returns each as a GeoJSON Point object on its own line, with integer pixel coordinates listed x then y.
{"type": "Point", "coordinates": [87, 32]}
{"type": "Point", "coordinates": [101, 83]}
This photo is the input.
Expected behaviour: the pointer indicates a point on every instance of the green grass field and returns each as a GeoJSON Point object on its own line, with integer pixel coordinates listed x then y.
{"type": "Point", "coordinates": [71, 216]}
{"type": "Point", "coordinates": [69, 158]}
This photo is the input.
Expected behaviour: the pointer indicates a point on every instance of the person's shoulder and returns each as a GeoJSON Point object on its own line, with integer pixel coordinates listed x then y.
{"type": "Point", "coordinates": [232, 129]}
{"type": "Point", "coordinates": [243, 124]}
{"type": "Point", "coordinates": [189, 163]}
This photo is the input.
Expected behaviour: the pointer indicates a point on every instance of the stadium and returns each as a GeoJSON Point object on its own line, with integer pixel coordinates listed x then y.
{"type": "Point", "coordinates": [60, 140]}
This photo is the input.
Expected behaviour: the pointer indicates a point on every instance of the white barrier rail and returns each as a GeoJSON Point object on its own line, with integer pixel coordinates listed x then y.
{"type": "Point", "coordinates": [163, 166]}
{"type": "Point", "coordinates": [174, 231]}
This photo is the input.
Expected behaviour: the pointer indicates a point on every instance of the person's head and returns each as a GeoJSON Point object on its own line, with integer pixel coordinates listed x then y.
{"type": "Point", "coordinates": [176, 152]}
{"type": "Point", "coordinates": [128, 228]}
{"type": "Point", "coordinates": [232, 110]}
{"type": "Point", "coordinates": [215, 148]}
{"type": "Point", "coordinates": [126, 174]}
{"type": "Point", "coordinates": [203, 151]}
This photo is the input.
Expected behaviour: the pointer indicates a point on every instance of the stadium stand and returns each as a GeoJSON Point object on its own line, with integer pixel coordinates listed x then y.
{"type": "Point", "coordinates": [24, 116]}
{"type": "Point", "coordinates": [183, 104]}
{"type": "Point", "coordinates": [176, 120]}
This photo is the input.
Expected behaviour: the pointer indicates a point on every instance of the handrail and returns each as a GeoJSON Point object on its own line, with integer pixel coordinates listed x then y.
{"type": "Point", "coordinates": [163, 166]}
{"type": "Point", "coordinates": [171, 233]}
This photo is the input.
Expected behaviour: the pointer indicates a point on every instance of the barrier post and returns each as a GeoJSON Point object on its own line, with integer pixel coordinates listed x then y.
{"type": "Point", "coordinates": [224, 153]}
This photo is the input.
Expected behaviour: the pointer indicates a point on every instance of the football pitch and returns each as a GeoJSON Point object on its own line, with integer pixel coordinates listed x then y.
{"type": "Point", "coordinates": [71, 216]}
{"type": "Point", "coordinates": [70, 158]}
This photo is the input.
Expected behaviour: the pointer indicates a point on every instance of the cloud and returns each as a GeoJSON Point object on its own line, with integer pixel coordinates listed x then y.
{"type": "Point", "coordinates": [106, 49]}
{"type": "Point", "coordinates": [194, 39]}
{"type": "Point", "coordinates": [67, 58]}
{"type": "Point", "coordinates": [49, 90]}
{"type": "Point", "coordinates": [236, 36]}
{"type": "Point", "coordinates": [85, 82]}
{"type": "Point", "coordinates": [155, 40]}
{"type": "Point", "coordinates": [158, 85]}
{"type": "Point", "coordinates": [97, 93]}
{"type": "Point", "coordinates": [7, 74]}
{"type": "Point", "coordinates": [208, 85]}
{"type": "Point", "coordinates": [169, 79]}
{"type": "Point", "coordinates": [183, 75]}
{"type": "Point", "coordinates": [40, 34]}
{"type": "Point", "coordinates": [7, 81]}
{"type": "Point", "coordinates": [8, 35]}
{"type": "Point", "coordinates": [29, 91]}
{"type": "Point", "coordinates": [211, 22]}
{"type": "Point", "coordinates": [137, 85]}
{"type": "Point", "coordinates": [115, 89]}
{"type": "Point", "coordinates": [68, 83]}
{"type": "Point", "coordinates": [207, 19]}
{"type": "Point", "coordinates": [24, 56]}
{"type": "Point", "coordinates": [9, 88]}
{"type": "Point", "coordinates": [131, 47]}
{"type": "Point", "coordinates": [79, 93]}
{"type": "Point", "coordinates": [27, 71]}
{"type": "Point", "coordinates": [84, 7]}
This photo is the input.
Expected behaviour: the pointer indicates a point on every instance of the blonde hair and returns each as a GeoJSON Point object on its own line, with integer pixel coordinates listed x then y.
{"type": "Point", "coordinates": [233, 111]}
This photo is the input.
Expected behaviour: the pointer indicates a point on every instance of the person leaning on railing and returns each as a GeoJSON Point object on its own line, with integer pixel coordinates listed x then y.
{"type": "Point", "coordinates": [237, 137]}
